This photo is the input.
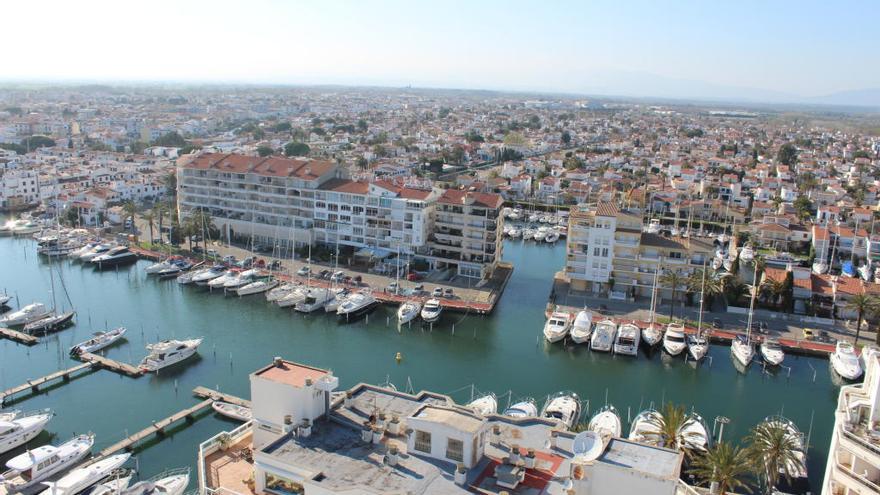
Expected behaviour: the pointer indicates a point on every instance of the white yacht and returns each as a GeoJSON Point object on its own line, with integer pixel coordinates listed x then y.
{"type": "Point", "coordinates": [603, 336]}
{"type": "Point", "coordinates": [797, 480]}
{"type": "Point", "coordinates": [582, 327]}
{"type": "Point", "coordinates": [338, 297]}
{"type": "Point", "coordinates": [34, 466]}
{"type": "Point", "coordinates": [95, 252]}
{"type": "Point", "coordinates": [120, 255]}
{"type": "Point", "coordinates": [4, 299]}
{"type": "Point", "coordinates": [526, 408]}
{"type": "Point", "coordinates": [694, 433]}
{"type": "Point", "coordinates": [22, 428]}
{"type": "Point", "coordinates": [698, 346]}
{"type": "Point", "coordinates": [484, 405]}
{"type": "Point", "coordinates": [85, 248]}
{"type": "Point", "coordinates": [294, 297]}
{"type": "Point", "coordinates": [557, 326]}
{"type": "Point", "coordinates": [356, 305]}
{"type": "Point", "coordinates": [169, 352]}
{"type": "Point", "coordinates": [563, 407]}
{"type": "Point", "coordinates": [280, 291]}
{"type": "Point", "coordinates": [220, 280]}
{"type": "Point", "coordinates": [99, 341]}
{"type": "Point", "coordinates": [652, 335]}
{"type": "Point", "coordinates": [644, 427]}
{"type": "Point", "coordinates": [431, 311]}
{"type": "Point", "coordinates": [747, 254]}
{"type": "Point", "coordinates": [173, 482]}
{"type": "Point", "coordinates": [742, 350]}
{"type": "Point", "coordinates": [772, 352]}
{"type": "Point", "coordinates": [243, 278]}
{"type": "Point", "coordinates": [408, 311]}
{"type": "Point", "coordinates": [158, 267]}
{"type": "Point", "coordinates": [113, 484]}
{"type": "Point", "coordinates": [551, 237]}
{"type": "Point", "coordinates": [627, 340]}
{"type": "Point", "coordinates": [204, 277]}
{"type": "Point", "coordinates": [844, 361]}
{"type": "Point", "coordinates": [315, 299]}
{"type": "Point", "coordinates": [257, 287]}
{"type": "Point", "coordinates": [673, 339]}
{"type": "Point", "coordinates": [30, 313]}
{"type": "Point", "coordinates": [81, 478]}
{"type": "Point", "coordinates": [606, 422]}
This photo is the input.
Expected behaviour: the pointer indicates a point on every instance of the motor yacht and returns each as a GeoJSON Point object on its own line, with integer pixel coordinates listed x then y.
{"type": "Point", "coordinates": [582, 327]}
{"type": "Point", "coordinates": [771, 352]}
{"type": "Point", "coordinates": [257, 287]}
{"type": "Point", "coordinates": [794, 479]}
{"type": "Point", "coordinates": [431, 311]}
{"type": "Point", "coordinates": [294, 297]}
{"type": "Point", "coordinates": [112, 484]}
{"type": "Point", "coordinates": [673, 339]}
{"type": "Point", "coordinates": [34, 466]}
{"type": "Point", "coordinates": [22, 428]}
{"type": "Point", "coordinates": [408, 311]}
{"type": "Point", "coordinates": [526, 408]}
{"type": "Point", "coordinates": [27, 314]}
{"type": "Point", "coordinates": [603, 336]}
{"type": "Point", "coordinates": [742, 350]}
{"type": "Point", "coordinates": [557, 326]}
{"type": "Point", "coordinates": [280, 291]}
{"type": "Point", "coordinates": [100, 340]}
{"type": "Point", "coordinates": [627, 340]}
{"type": "Point", "coordinates": [241, 279]}
{"type": "Point", "coordinates": [203, 277]}
{"type": "Point", "coordinates": [169, 352]}
{"type": "Point", "coordinates": [85, 248]}
{"type": "Point", "coordinates": [173, 482]}
{"type": "Point", "coordinates": [338, 296]}
{"type": "Point", "coordinates": [551, 237]}
{"type": "Point", "coordinates": [96, 251]}
{"type": "Point", "coordinates": [356, 305]}
{"type": "Point", "coordinates": [81, 478]}
{"type": "Point", "coordinates": [315, 299]}
{"type": "Point", "coordinates": [219, 281]}
{"type": "Point", "coordinates": [564, 407]}
{"type": "Point", "coordinates": [485, 405]}
{"type": "Point", "coordinates": [606, 422]}
{"type": "Point", "coordinates": [158, 267]}
{"type": "Point", "coordinates": [233, 411]}
{"type": "Point", "coordinates": [844, 361]}
{"type": "Point", "coordinates": [118, 256]}
{"type": "Point", "coordinates": [694, 433]}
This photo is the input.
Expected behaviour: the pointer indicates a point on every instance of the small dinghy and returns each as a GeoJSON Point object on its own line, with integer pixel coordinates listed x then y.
{"type": "Point", "coordinates": [233, 411]}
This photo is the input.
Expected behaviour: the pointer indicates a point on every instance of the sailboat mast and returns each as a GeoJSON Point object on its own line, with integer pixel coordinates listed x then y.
{"type": "Point", "coordinates": [702, 300]}
{"type": "Point", "coordinates": [752, 303]}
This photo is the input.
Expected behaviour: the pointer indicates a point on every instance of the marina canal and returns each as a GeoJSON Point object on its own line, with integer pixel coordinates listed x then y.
{"type": "Point", "coordinates": [498, 353]}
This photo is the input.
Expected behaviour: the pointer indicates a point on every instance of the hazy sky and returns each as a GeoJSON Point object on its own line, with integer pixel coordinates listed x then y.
{"type": "Point", "coordinates": [802, 48]}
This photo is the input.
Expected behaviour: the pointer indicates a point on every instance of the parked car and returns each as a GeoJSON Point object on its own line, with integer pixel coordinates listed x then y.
{"type": "Point", "coordinates": [438, 292]}
{"type": "Point", "coordinates": [212, 253]}
{"type": "Point", "coordinates": [413, 276]}
{"type": "Point", "coordinates": [337, 276]}
{"type": "Point", "coordinates": [449, 293]}
{"type": "Point", "coordinates": [302, 272]}
{"type": "Point", "coordinates": [393, 288]}
{"type": "Point", "coordinates": [324, 274]}
{"type": "Point", "coordinates": [717, 323]}
{"type": "Point", "coordinates": [229, 259]}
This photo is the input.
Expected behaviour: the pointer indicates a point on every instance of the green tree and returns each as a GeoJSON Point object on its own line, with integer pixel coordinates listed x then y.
{"type": "Point", "coordinates": [264, 150]}
{"type": "Point", "coordinates": [171, 140]}
{"type": "Point", "coordinates": [565, 138]}
{"type": "Point", "coordinates": [804, 207]}
{"type": "Point", "coordinates": [362, 125]}
{"type": "Point", "coordinates": [725, 465]}
{"type": "Point", "coordinates": [150, 218]}
{"type": "Point", "coordinates": [774, 449]}
{"type": "Point", "coordinates": [34, 142]}
{"type": "Point", "coordinates": [673, 280]}
{"type": "Point", "coordinates": [787, 154]}
{"type": "Point", "coordinates": [709, 285]}
{"type": "Point", "coordinates": [294, 148]}
{"type": "Point", "coordinates": [170, 181]}
{"type": "Point", "coordinates": [774, 291]}
{"type": "Point", "coordinates": [862, 304]}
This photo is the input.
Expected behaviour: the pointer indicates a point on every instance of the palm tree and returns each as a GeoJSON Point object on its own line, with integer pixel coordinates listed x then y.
{"type": "Point", "coordinates": [773, 290]}
{"type": "Point", "coordinates": [724, 465]}
{"type": "Point", "coordinates": [673, 280]}
{"type": "Point", "coordinates": [668, 427]}
{"type": "Point", "coordinates": [774, 450]}
{"type": "Point", "coordinates": [160, 210]}
{"type": "Point", "coordinates": [130, 210]}
{"type": "Point", "coordinates": [149, 217]}
{"type": "Point", "coordinates": [710, 286]}
{"type": "Point", "coordinates": [862, 304]}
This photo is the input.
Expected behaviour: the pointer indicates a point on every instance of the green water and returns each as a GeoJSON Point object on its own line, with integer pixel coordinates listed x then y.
{"type": "Point", "coordinates": [497, 353]}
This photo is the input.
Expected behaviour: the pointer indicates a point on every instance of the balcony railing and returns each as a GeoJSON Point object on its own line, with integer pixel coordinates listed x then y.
{"type": "Point", "coordinates": [862, 480]}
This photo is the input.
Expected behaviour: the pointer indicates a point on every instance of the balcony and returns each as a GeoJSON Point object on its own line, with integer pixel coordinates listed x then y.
{"type": "Point", "coordinates": [225, 471]}
{"type": "Point", "coordinates": [844, 463]}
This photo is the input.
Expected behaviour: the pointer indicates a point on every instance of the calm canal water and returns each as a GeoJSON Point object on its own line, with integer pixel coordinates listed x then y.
{"type": "Point", "coordinates": [497, 353]}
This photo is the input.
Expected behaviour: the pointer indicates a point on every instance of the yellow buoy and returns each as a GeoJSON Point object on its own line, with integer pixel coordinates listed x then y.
{"type": "Point", "coordinates": [398, 357]}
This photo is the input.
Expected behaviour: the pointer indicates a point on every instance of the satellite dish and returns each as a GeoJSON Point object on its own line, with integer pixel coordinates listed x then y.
{"type": "Point", "coordinates": [587, 447]}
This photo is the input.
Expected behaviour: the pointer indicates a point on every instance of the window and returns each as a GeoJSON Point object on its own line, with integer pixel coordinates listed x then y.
{"type": "Point", "coordinates": [454, 450]}
{"type": "Point", "coordinates": [423, 441]}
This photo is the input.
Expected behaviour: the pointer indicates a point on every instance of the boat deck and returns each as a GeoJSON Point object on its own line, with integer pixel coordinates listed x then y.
{"type": "Point", "coordinates": [17, 336]}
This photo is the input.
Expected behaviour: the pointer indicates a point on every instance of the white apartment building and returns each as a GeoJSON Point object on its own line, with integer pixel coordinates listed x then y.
{"type": "Point", "coordinates": [19, 188]}
{"type": "Point", "coordinates": [854, 455]}
{"type": "Point", "coordinates": [590, 245]}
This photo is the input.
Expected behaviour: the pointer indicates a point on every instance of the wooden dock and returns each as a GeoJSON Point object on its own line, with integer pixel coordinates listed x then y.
{"type": "Point", "coordinates": [110, 364]}
{"type": "Point", "coordinates": [34, 385]}
{"type": "Point", "coordinates": [159, 427]}
{"type": "Point", "coordinates": [20, 337]}
{"type": "Point", "coordinates": [207, 393]}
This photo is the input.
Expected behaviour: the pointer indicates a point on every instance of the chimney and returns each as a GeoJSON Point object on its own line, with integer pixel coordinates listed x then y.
{"type": "Point", "coordinates": [460, 475]}
{"type": "Point", "coordinates": [392, 456]}
{"type": "Point", "coordinates": [278, 362]}
{"type": "Point", "coordinates": [305, 429]}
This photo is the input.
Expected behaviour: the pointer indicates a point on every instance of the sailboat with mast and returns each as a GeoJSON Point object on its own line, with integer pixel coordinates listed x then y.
{"type": "Point", "coordinates": [742, 349]}
{"type": "Point", "coordinates": [698, 344]}
{"type": "Point", "coordinates": [653, 333]}
{"type": "Point", "coordinates": [53, 321]}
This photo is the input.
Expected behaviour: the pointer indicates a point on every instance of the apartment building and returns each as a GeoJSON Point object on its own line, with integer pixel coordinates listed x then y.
{"type": "Point", "coordinates": [19, 188]}
{"type": "Point", "coordinates": [466, 235]}
{"type": "Point", "coordinates": [854, 455]}
{"type": "Point", "coordinates": [590, 246]}
{"type": "Point", "coordinates": [285, 202]}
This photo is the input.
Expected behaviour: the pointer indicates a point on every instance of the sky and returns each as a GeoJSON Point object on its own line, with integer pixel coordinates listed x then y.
{"type": "Point", "coordinates": [767, 49]}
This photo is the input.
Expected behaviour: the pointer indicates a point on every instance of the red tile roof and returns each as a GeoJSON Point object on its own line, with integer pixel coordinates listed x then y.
{"type": "Point", "coordinates": [272, 166]}
{"type": "Point", "coordinates": [457, 196]}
